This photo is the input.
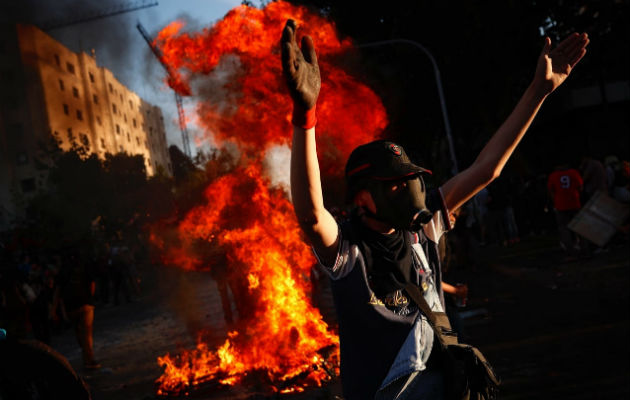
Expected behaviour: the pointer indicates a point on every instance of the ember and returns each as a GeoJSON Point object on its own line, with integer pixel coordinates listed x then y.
{"type": "Point", "coordinates": [247, 217]}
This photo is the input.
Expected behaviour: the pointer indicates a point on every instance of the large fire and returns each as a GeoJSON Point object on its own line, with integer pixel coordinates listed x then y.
{"type": "Point", "coordinates": [245, 218]}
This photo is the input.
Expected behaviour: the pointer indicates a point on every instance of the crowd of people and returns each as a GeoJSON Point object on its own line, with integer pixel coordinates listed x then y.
{"type": "Point", "coordinates": [44, 292]}
{"type": "Point", "coordinates": [514, 206]}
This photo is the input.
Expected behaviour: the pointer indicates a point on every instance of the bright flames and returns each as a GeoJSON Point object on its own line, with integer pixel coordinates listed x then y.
{"type": "Point", "coordinates": [245, 219]}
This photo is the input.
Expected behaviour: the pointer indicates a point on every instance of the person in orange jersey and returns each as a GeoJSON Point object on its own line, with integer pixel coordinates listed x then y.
{"type": "Point", "coordinates": [385, 342]}
{"type": "Point", "coordinates": [565, 187]}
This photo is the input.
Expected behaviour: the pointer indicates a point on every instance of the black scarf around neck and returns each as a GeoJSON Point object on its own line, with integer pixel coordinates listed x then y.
{"type": "Point", "coordinates": [388, 258]}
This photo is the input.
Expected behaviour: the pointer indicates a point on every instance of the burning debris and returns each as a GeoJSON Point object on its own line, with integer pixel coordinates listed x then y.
{"type": "Point", "coordinates": [247, 218]}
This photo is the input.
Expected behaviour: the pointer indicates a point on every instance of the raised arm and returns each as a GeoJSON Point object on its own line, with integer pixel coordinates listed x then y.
{"type": "Point", "coordinates": [302, 75]}
{"type": "Point", "coordinates": [553, 67]}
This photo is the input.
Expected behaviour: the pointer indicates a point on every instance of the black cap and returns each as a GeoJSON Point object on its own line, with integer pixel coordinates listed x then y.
{"type": "Point", "coordinates": [382, 160]}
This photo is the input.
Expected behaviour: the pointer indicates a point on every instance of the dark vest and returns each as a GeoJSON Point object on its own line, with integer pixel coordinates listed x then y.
{"type": "Point", "coordinates": [370, 335]}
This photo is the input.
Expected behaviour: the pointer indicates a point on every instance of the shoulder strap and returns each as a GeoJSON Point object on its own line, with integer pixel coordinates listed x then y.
{"type": "Point", "coordinates": [438, 320]}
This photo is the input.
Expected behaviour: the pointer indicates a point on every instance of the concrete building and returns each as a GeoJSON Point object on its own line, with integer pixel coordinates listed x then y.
{"type": "Point", "coordinates": [47, 91]}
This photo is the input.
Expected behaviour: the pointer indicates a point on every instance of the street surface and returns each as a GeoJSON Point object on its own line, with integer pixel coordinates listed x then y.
{"type": "Point", "coordinates": [552, 329]}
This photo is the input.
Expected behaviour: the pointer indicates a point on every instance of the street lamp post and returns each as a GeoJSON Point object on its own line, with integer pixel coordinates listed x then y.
{"type": "Point", "coordinates": [438, 80]}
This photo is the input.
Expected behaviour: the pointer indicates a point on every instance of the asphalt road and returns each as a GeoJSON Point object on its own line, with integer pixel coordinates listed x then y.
{"type": "Point", "coordinates": [551, 329]}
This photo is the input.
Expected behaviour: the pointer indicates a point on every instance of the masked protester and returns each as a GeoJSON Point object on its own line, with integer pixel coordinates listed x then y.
{"type": "Point", "coordinates": [387, 345]}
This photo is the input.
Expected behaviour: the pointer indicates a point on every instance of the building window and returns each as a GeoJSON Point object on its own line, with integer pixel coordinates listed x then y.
{"type": "Point", "coordinates": [91, 77]}
{"type": "Point", "coordinates": [95, 98]}
{"type": "Point", "coordinates": [150, 131]}
{"type": "Point", "coordinates": [70, 135]}
{"type": "Point", "coordinates": [79, 115]}
{"type": "Point", "coordinates": [57, 60]}
{"type": "Point", "coordinates": [75, 92]}
{"type": "Point", "coordinates": [114, 108]}
{"type": "Point", "coordinates": [111, 89]}
{"type": "Point", "coordinates": [125, 117]}
{"type": "Point", "coordinates": [28, 185]}
{"type": "Point", "coordinates": [61, 85]}
{"type": "Point", "coordinates": [84, 140]}
{"type": "Point", "coordinates": [130, 104]}
{"type": "Point", "coordinates": [102, 143]}
{"type": "Point", "coordinates": [137, 140]}
{"type": "Point", "coordinates": [66, 109]}
{"type": "Point", "coordinates": [128, 137]}
{"type": "Point", "coordinates": [134, 122]}
{"type": "Point", "coordinates": [98, 120]}
{"type": "Point", "coordinates": [121, 99]}
{"type": "Point", "coordinates": [118, 129]}
{"type": "Point", "coordinates": [70, 67]}
{"type": "Point", "coordinates": [120, 148]}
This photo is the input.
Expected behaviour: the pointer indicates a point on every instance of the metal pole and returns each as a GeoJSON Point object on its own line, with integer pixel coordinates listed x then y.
{"type": "Point", "coordinates": [438, 80]}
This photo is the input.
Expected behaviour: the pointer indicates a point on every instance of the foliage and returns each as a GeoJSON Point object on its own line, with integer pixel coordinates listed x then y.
{"type": "Point", "coordinates": [86, 194]}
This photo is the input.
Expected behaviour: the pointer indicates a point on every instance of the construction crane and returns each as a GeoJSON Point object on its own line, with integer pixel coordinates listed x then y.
{"type": "Point", "coordinates": [178, 97]}
{"type": "Point", "coordinates": [98, 14]}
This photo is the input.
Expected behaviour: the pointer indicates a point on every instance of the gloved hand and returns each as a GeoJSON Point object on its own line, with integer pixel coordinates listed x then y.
{"type": "Point", "coordinates": [302, 74]}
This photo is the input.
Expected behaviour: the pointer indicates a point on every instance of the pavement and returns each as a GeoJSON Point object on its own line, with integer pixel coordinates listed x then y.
{"type": "Point", "coordinates": [552, 329]}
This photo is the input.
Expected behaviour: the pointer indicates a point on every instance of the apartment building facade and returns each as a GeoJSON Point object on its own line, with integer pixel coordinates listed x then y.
{"type": "Point", "coordinates": [48, 91]}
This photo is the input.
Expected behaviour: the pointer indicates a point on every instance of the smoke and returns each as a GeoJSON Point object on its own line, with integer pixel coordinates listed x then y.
{"type": "Point", "coordinates": [219, 89]}
{"type": "Point", "coordinates": [276, 165]}
{"type": "Point", "coordinates": [109, 35]}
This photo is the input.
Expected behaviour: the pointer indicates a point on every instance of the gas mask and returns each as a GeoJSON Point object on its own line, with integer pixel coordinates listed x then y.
{"type": "Point", "coordinates": [402, 208]}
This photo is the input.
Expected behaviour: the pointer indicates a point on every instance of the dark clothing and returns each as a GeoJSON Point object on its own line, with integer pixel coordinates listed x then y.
{"type": "Point", "coordinates": [373, 329]}
{"type": "Point", "coordinates": [594, 176]}
{"type": "Point", "coordinates": [370, 337]}
{"type": "Point", "coordinates": [32, 370]}
{"type": "Point", "coordinates": [76, 281]}
{"type": "Point", "coordinates": [569, 241]}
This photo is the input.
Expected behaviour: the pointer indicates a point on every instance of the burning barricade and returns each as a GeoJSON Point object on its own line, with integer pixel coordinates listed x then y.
{"type": "Point", "coordinates": [232, 71]}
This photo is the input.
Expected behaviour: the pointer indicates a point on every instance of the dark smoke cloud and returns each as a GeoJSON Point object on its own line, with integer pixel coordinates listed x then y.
{"type": "Point", "coordinates": [114, 38]}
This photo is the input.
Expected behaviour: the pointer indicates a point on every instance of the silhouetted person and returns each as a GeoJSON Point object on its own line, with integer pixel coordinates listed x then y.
{"type": "Point", "coordinates": [119, 272]}
{"type": "Point", "coordinates": [31, 370]}
{"type": "Point", "coordinates": [594, 177]}
{"type": "Point", "coordinates": [77, 292]}
{"type": "Point", "coordinates": [213, 257]}
{"type": "Point", "coordinates": [565, 186]}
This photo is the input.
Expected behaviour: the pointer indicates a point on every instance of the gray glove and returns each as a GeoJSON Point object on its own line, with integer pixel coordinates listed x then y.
{"type": "Point", "coordinates": [300, 69]}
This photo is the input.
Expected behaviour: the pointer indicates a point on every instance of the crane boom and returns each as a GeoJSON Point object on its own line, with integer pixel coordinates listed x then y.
{"type": "Point", "coordinates": [178, 97]}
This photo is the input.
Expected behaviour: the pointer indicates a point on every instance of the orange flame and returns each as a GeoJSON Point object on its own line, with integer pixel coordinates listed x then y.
{"type": "Point", "coordinates": [249, 221]}
{"type": "Point", "coordinates": [286, 332]}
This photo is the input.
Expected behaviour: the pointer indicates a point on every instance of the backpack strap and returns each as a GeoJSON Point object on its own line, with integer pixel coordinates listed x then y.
{"type": "Point", "coordinates": [438, 320]}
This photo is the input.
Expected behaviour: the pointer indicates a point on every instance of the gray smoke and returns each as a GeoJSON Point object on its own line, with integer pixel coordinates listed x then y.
{"type": "Point", "coordinates": [277, 162]}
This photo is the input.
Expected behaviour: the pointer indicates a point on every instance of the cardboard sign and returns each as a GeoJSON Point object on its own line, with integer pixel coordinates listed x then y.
{"type": "Point", "coordinates": [599, 219]}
